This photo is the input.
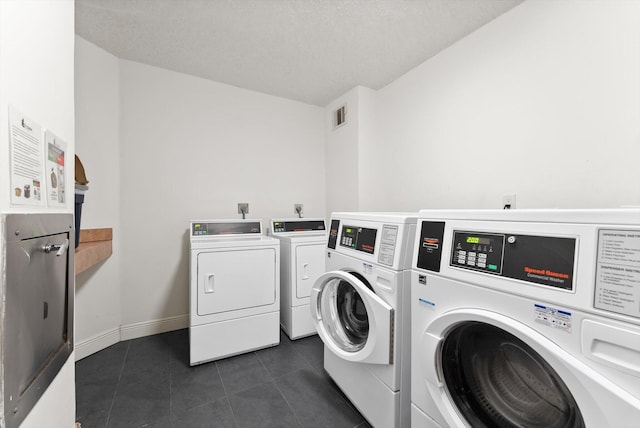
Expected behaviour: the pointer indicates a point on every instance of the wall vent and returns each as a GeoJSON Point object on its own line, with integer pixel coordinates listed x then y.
{"type": "Point", "coordinates": [340, 116]}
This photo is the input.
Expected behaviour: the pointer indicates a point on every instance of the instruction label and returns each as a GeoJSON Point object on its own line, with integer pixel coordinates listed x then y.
{"type": "Point", "coordinates": [553, 317]}
{"type": "Point", "coordinates": [618, 272]}
{"type": "Point", "coordinates": [26, 160]}
{"type": "Point", "coordinates": [388, 244]}
{"type": "Point", "coordinates": [55, 169]}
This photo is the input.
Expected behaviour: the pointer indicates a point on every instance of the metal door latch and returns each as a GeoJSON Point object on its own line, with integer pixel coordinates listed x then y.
{"type": "Point", "coordinates": [60, 248]}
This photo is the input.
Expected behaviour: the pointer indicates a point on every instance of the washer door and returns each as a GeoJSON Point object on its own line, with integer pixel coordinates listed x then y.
{"type": "Point", "coordinates": [352, 321]}
{"type": "Point", "coordinates": [497, 380]}
{"type": "Point", "coordinates": [486, 376]}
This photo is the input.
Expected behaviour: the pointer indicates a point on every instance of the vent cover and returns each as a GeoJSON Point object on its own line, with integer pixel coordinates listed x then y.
{"type": "Point", "coordinates": [340, 116]}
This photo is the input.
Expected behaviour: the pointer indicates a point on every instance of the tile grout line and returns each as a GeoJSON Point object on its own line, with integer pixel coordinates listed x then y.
{"type": "Point", "coordinates": [288, 404]}
{"type": "Point", "coordinates": [169, 367]}
{"type": "Point", "coordinates": [113, 399]}
{"type": "Point", "coordinates": [226, 394]}
{"type": "Point", "coordinates": [275, 384]}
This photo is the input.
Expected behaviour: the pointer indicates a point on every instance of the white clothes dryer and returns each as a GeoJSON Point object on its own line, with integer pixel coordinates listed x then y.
{"type": "Point", "coordinates": [360, 307]}
{"type": "Point", "coordinates": [526, 318]}
{"type": "Point", "coordinates": [302, 254]}
{"type": "Point", "coordinates": [234, 289]}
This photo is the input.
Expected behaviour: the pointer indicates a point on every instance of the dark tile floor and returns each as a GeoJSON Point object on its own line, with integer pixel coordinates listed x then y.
{"type": "Point", "coordinates": [148, 382]}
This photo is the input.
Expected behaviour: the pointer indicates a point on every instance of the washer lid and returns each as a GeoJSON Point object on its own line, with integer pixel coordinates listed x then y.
{"type": "Point", "coordinates": [352, 321]}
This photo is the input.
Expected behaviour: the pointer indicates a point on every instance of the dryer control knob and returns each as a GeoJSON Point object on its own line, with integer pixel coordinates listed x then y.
{"type": "Point", "coordinates": [511, 239]}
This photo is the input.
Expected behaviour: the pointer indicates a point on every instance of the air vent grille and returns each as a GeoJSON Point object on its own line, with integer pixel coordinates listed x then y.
{"type": "Point", "coordinates": [340, 116]}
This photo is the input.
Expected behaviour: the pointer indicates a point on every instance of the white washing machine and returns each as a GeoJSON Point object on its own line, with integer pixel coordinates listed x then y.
{"type": "Point", "coordinates": [234, 289]}
{"type": "Point", "coordinates": [526, 318]}
{"type": "Point", "coordinates": [302, 254]}
{"type": "Point", "coordinates": [360, 307]}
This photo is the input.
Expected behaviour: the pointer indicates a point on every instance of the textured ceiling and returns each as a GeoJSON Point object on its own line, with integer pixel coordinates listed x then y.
{"type": "Point", "coordinates": [307, 50]}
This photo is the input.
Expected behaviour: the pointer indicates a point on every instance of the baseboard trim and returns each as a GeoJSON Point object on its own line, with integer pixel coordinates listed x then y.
{"type": "Point", "coordinates": [148, 328]}
{"type": "Point", "coordinates": [96, 343]}
{"type": "Point", "coordinates": [130, 331]}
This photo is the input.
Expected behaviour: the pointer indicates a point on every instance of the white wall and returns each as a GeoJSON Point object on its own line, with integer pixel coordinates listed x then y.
{"type": "Point", "coordinates": [36, 77]}
{"type": "Point", "coordinates": [368, 147]}
{"type": "Point", "coordinates": [542, 102]}
{"type": "Point", "coordinates": [193, 149]}
{"type": "Point", "coordinates": [97, 94]}
{"type": "Point", "coordinates": [161, 148]}
{"type": "Point", "coordinates": [347, 148]}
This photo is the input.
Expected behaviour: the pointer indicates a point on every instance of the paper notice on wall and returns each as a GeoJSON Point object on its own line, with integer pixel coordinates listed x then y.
{"type": "Point", "coordinates": [618, 272]}
{"type": "Point", "coordinates": [55, 169]}
{"type": "Point", "coordinates": [26, 160]}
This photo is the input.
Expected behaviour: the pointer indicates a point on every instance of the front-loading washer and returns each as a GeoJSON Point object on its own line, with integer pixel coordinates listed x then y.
{"type": "Point", "coordinates": [526, 318]}
{"type": "Point", "coordinates": [234, 289]}
{"type": "Point", "coordinates": [360, 307]}
{"type": "Point", "coordinates": [302, 254]}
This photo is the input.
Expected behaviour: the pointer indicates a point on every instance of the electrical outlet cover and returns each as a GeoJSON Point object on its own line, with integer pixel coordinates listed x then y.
{"type": "Point", "coordinates": [509, 201]}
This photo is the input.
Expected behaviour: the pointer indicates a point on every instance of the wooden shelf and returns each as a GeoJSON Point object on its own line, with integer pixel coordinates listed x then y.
{"type": "Point", "coordinates": [95, 246]}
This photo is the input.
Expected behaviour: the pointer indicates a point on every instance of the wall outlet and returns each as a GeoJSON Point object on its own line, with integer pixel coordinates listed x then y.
{"type": "Point", "coordinates": [243, 208]}
{"type": "Point", "coordinates": [509, 202]}
{"type": "Point", "coordinates": [297, 208]}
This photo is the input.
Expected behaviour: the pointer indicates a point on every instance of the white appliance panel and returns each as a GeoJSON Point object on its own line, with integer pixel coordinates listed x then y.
{"type": "Point", "coordinates": [310, 265]}
{"type": "Point", "coordinates": [234, 291]}
{"type": "Point", "coordinates": [237, 279]}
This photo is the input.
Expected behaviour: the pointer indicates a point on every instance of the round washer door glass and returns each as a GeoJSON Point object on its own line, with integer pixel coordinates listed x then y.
{"type": "Point", "coordinates": [497, 380]}
{"type": "Point", "coordinates": [344, 314]}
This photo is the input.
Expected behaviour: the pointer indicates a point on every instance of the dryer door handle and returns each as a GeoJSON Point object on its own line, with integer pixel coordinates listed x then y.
{"type": "Point", "coordinates": [305, 273]}
{"type": "Point", "coordinates": [209, 283]}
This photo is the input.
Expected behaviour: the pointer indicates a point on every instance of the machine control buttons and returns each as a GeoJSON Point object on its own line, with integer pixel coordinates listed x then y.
{"type": "Point", "coordinates": [473, 258]}
{"type": "Point", "coordinates": [359, 238]}
{"type": "Point", "coordinates": [511, 239]}
{"type": "Point", "coordinates": [478, 251]}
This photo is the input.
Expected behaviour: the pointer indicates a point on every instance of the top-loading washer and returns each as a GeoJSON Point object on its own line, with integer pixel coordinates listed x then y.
{"type": "Point", "coordinates": [526, 318]}
{"type": "Point", "coordinates": [234, 289]}
{"type": "Point", "coordinates": [360, 307]}
{"type": "Point", "coordinates": [302, 254]}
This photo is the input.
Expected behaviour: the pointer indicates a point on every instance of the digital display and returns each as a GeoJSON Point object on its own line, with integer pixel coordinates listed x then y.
{"type": "Point", "coordinates": [478, 240]}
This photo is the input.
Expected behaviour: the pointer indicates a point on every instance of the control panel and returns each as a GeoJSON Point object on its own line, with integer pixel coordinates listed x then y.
{"type": "Point", "coordinates": [478, 251]}
{"type": "Point", "coordinates": [545, 260]}
{"type": "Point", "coordinates": [199, 229]}
{"type": "Point", "coordinates": [282, 226]}
{"type": "Point", "coordinates": [359, 238]}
